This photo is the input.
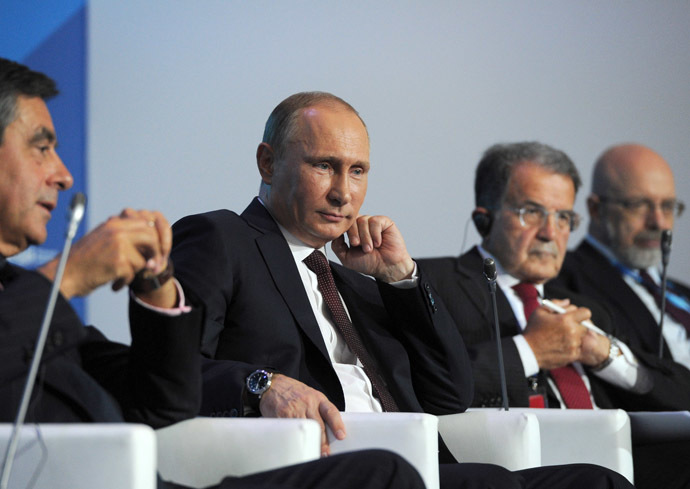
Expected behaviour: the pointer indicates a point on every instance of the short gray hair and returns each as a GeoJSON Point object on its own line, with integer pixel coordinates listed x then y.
{"type": "Point", "coordinates": [496, 167]}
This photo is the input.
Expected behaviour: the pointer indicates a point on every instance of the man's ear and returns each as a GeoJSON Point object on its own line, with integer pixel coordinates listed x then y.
{"type": "Point", "coordinates": [265, 159]}
{"type": "Point", "coordinates": [594, 206]}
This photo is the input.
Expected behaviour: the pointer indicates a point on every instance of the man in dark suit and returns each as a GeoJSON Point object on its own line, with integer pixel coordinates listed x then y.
{"type": "Point", "coordinates": [633, 199]}
{"type": "Point", "coordinates": [84, 377]}
{"type": "Point", "coordinates": [307, 338]}
{"type": "Point", "coordinates": [524, 196]}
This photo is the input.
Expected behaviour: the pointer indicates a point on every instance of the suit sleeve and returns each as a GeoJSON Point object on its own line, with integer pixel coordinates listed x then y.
{"type": "Point", "coordinates": [195, 239]}
{"type": "Point", "coordinates": [440, 366]}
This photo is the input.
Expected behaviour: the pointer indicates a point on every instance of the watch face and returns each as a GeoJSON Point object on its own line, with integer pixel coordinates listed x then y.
{"type": "Point", "coordinates": [257, 382]}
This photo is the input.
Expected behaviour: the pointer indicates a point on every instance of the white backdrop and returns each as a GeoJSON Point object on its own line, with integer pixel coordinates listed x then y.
{"type": "Point", "coordinates": [179, 93]}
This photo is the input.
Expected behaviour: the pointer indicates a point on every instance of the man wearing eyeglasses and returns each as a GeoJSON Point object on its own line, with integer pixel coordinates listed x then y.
{"type": "Point", "coordinates": [633, 200]}
{"type": "Point", "coordinates": [524, 196]}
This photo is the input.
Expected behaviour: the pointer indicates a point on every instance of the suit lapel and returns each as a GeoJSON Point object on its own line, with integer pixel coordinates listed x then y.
{"type": "Point", "coordinates": [607, 282]}
{"type": "Point", "coordinates": [469, 266]}
{"type": "Point", "coordinates": [281, 265]}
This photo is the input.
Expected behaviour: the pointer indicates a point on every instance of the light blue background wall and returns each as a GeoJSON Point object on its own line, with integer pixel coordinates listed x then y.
{"type": "Point", "coordinates": [179, 92]}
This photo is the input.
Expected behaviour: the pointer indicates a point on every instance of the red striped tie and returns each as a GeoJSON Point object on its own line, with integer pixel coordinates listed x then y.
{"type": "Point", "coordinates": [571, 386]}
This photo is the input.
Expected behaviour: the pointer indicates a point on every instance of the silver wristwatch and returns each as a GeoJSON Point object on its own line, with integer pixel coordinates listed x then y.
{"type": "Point", "coordinates": [258, 382]}
{"type": "Point", "coordinates": [614, 352]}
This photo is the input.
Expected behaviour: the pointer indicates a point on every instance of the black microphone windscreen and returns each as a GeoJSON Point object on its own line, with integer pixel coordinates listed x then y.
{"type": "Point", "coordinates": [490, 269]}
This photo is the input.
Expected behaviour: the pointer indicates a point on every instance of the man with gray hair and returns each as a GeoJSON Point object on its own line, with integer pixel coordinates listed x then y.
{"type": "Point", "coordinates": [524, 212]}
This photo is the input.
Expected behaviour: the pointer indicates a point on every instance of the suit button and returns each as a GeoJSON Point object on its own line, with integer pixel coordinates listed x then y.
{"type": "Point", "coordinates": [58, 339]}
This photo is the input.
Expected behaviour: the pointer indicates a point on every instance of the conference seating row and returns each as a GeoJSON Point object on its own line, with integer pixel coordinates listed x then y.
{"type": "Point", "coordinates": [201, 451]}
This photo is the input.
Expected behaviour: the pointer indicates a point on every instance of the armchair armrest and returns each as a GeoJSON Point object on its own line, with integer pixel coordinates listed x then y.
{"type": "Point", "coordinates": [65, 456]}
{"type": "Point", "coordinates": [414, 436]}
{"type": "Point", "coordinates": [510, 439]}
{"type": "Point", "coordinates": [202, 451]}
{"type": "Point", "coordinates": [599, 436]}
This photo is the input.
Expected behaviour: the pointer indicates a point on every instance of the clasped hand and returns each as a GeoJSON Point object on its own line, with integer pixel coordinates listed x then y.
{"type": "Point", "coordinates": [560, 339]}
{"type": "Point", "coordinates": [376, 248]}
{"type": "Point", "coordinates": [114, 252]}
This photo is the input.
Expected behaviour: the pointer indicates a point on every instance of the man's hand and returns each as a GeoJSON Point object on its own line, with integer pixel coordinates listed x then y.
{"type": "Point", "coordinates": [114, 252]}
{"type": "Point", "coordinates": [556, 339]}
{"type": "Point", "coordinates": [595, 349]}
{"type": "Point", "coordinates": [376, 248]}
{"type": "Point", "coordinates": [290, 398]}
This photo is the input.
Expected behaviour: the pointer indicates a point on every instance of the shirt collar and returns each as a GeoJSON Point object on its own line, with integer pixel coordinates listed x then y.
{"type": "Point", "coordinates": [504, 279]}
{"type": "Point", "coordinates": [608, 254]}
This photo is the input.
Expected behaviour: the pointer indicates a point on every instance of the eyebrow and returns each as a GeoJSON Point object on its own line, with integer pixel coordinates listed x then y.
{"type": "Point", "coordinates": [43, 134]}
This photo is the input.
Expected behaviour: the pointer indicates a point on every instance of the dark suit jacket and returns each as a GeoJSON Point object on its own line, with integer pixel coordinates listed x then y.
{"type": "Point", "coordinates": [84, 377]}
{"type": "Point", "coordinates": [588, 272]}
{"type": "Point", "coordinates": [461, 284]}
{"type": "Point", "coordinates": [258, 315]}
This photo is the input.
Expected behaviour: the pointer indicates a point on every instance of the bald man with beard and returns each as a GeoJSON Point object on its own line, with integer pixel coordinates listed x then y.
{"type": "Point", "coordinates": [633, 200]}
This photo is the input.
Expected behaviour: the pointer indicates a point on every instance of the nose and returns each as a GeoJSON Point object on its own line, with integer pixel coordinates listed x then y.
{"type": "Point", "coordinates": [61, 177]}
{"type": "Point", "coordinates": [549, 228]}
{"type": "Point", "coordinates": [657, 219]}
{"type": "Point", "coordinates": [339, 193]}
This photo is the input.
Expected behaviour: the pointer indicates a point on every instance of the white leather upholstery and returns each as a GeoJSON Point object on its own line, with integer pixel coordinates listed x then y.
{"type": "Point", "coordinates": [68, 456]}
{"type": "Point", "coordinates": [414, 436]}
{"type": "Point", "coordinates": [510, 439]}
{"type": "Point", "coordinates": [200, 452]}
{"type": "Point", "coordinates": [599, 436]}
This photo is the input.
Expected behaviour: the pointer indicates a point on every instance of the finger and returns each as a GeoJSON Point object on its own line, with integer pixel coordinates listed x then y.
{"type": "Point", "coordinates": [339, 247]}
{"type": "Point", "coordinates": [365, 240]}
{"type": "Point", "coordinates": [353, 233]}
{"type": "Point", "coordinates": [330, 414]}
{"type": "Point", "coordinates": [376, 227]}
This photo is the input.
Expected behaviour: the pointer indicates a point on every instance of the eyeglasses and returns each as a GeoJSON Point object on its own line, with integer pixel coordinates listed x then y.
{"type": "Point", "coordinates": [534, 215]}
{"type": "Point", "coordinates": [642, 207]}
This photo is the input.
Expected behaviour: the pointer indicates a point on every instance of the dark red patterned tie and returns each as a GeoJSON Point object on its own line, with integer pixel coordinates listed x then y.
{"type": "Point", "coordinates": [571, 386]}
{"type": "Point", "coordinates": [318, 264]}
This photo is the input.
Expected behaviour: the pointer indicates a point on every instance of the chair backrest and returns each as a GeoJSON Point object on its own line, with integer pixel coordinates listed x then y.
{"type": "Point", "coordinates": [597, 436]}
{"type": "Point", "coordinates": [66, 456]}
{"type": "Point", "coordinates": [414, 436]}
{"type": "Point", "coordinates": [510, 439]}
{"type": "Point", "coordinates": [200, 452]}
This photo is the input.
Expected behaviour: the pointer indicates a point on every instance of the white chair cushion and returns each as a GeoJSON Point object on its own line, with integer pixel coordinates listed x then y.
{"type": "Point", "coordinates": [107, 456]}
{"type": "Point", "coordinates": [507, 438]}
{"type": "Point", "coordinates": [202, 451]}
{"type": "Point", "coordinates": [414, 436]}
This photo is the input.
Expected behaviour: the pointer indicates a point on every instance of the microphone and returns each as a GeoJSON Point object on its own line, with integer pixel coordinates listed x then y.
{"type": "Point", "coordinates": [666, 239]}
{"type": "Point", "coordinates": [76, 214]}
{"type": "Point", "coordinates": [490, 274]}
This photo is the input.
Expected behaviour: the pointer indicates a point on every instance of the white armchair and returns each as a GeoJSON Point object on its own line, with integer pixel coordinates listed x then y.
{"type": "Point", "coordinates": [600, 436]}
{"type": "Point", "coordinates": [510, 439]}
{"type": "Point", "coordinates": [414, 436]}
{"type": "Point", "coordinates": [65, 456]}
{"type": "Point", "coordinates": [200, 452]}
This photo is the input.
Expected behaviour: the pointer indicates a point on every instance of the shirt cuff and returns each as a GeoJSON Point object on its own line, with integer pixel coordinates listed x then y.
{"type": "Point", "coordinates": [626, 372]}
{"type": "Point", "coordinates": [527, 357]}
{"type": "Point", "coordinates": [408, 283]}
{"type": "Point", "coordinates": [181, 308]}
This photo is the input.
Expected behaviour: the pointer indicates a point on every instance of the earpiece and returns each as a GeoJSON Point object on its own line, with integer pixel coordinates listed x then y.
{"type": "Point", "coordinates": [482, 221]}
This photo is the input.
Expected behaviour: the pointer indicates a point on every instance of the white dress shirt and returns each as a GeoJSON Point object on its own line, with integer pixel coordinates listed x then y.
{"type": "Point", "coordinates": [359, 396]}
